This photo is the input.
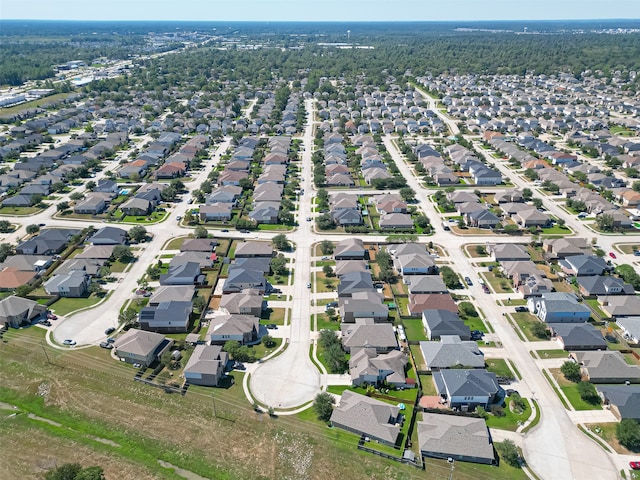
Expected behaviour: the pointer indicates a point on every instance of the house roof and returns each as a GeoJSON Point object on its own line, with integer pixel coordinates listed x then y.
{"type": "Point", "coordinates": [602, 285]}
{"type": "Point", "coordinates": [376, 335]}
{"type": "Point", "coordinates": [11, 277]}
{"type": "Point", "coordinates": [138, 342]}
{"type": "Point", "coordinates": [367, 415]}
{"type": "Point", "coordinates": [452, 435]}
{"type": "Point", "coordinates": [579, 335]}
{"type": "Point", "coordinates": [436, 301]}
{"type": "Point", "coordinates": [365, 361]}
{"type": "Point", "coordinates": [102, 252]}
{"type": "Point", "coordinates": [178, 293]}
{"type": "Point", "coordinates": [198, 245]}
{"type": "Point", "coordinates": [233, 302]}
{"type": "Point", "coordinates": [207, 360]}
{"type": "Point", "coordinates": [17, 306]}
{"type": "Point", "coordinates": [112, 235]}
{"type": "Point", "coordinates": [253, 248]}
{"type": "Point", "coordinates": [467, 382]}
{"type": "Point", "coordinates": [349, 246]}
{"type": "Point", "coordinates": [26, 263]}
{"type": "Point", "coordinates": [510, 251]}
{"type": "Point", "coordinates": [425, 284]}
{"type": "Point", "coordinates": [346, 266]}
{"type": "Point", "coordinates": [625, 397]}
{"type": "Point", "coordinates": [608, 366]}
{"type": "Point", "coordinates": [445, 322]}
{"type": "Point", "coordinates": [451, 351]}
{"type": "Point", "coordinates": [233, 325]}
{"type": "Point", "coordinates": [581, 263]}
{"type": "Point", "coordinates": [396, 220]}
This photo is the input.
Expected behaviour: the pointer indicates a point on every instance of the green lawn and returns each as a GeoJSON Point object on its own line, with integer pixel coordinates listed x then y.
{"type": "Point", "coordinates": [552, 353]}
{"type": "Point", "coordinates": [498, 285]}
{"type": "Point", "coordinates": [570, 391]}
{"type": "Point", "coordinates": [19, 211]}
{"type": "Point", "coordinates": [274, 315]}
{"type": "Point", "coordinates": [414, 329]}
{"type": "Point", "coordinates": [35, 103]}
{"type": "Point", "coordinates": [118, 266]}
{"type": "Point", "coordinates": [155, 217]}
{"type": "Point", "coordinates": [525, 320]}
{"type": "Point", "coordinates": [64, 306]}
{"type": "Point", "coordinates": [557, 230]}
{"type": "Point", "coordinates": [325, 324]}
{"type": "Point", "coordinates": [499, 367]}
{"type": "Point", "coordinates": [511, 419]}
{"type": "Point", "coordinates": [175, 243]}
{"type": "Point", "coordinates": [428, 387]}
{"type": "Point", "coordinates": [475, 323]}
{"type": "Point", "coordinates": [418, 357]}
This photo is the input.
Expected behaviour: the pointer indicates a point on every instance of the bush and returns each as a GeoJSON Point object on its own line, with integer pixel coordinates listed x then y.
{"type": "Point", "coordinates": [509, 453]}
{"type": "Point", "coordinates": [628, 434]}
{"type": "Point", "coordinates": [588, 393]}
{"type": "Point", "coordinates": [571, 371]}
{"type": "Point", "coordinates": [539, 330]}
{"type": "Point", "coordinates": [497, 411]}
{"type": "Point", "coordinates": [323, 406]}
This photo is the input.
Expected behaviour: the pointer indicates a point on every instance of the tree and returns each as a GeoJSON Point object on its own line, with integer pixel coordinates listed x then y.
{"type": "Point", "coordinates": [128, 318]}
{"type": "Point", "coordinates": [328, 271]}
{"type": "Point", "coordinates": [200, 232]}
{"type": "Point", "coordinates": [33, 228]}
{"type": "Point", "coordinates": [23, 290]}
{"type": "Point", "coordinates": [153, 271]}
{"type": "Point", "coordinates": [539, 330]}
{"type": "Point", "coordinates": [325, 222]}
{"type": "Point", "coordinates": [407, 194]}
{"type": "Point", "coordinates": [90, 185]}
{"type": "Point", "coordinates": [509, 452]}
{"type": "Point", "coordinates": [422, 221]}
{"type": "Point", "coordinates": [74, 471]}
{"type": "Point", "coordinates": [5, 226]}
{"type": "Point", "coordinates": [336, 359]}
{"type": "Point", "coordinates": [138, 233]}
{"type": "Point", "coordinates": [537, 202]}
{"type": "Point", "coordinates": [511, 229]}
{"type": "Point", "coordinates": [75, 196]}
{"type": "Point", "coordinates": [199, 303]}
{"type": "Point", "coordinates": [531, 174]}
{"type": "Point", "coordinates": [279, 265]}
{"type": "Point", "coordinates": [481, 412]}
{"type": "Point", "coordinates": [5, 250]}
{"type": "Point", "coordinates": [326, 247]}
{"type": "Point", "coordinates": [588, 393]}
{"type": "Point", "coordinates": [605, 222]}
{"type": "Point", "coordinates": [527, 194]}
{"type": "Point", "coordinates": [122, 253]}
{"type": "Point", "coordinates": [268, 341]}
{"type": "Point", "coordinates": [62, 206]}
{"type": "Point", "coordinates": [628, 434]}
{"type": "Point", "coordinates": [323, 406]}
{"type": "Point", "coordinates": [281, 242]}
{"type": "Point", "coordinates": [571, 371]}
{"type": "Point", "coordinates": [450, 278]}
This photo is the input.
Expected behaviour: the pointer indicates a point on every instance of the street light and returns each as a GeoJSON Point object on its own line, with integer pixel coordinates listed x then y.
{"type": "Point", "coordinates": [452, 462]}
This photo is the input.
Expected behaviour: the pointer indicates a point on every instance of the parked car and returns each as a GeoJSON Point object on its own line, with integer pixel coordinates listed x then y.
{"type": "Point", "coordinates": [510, 391]}
{"type": "Point", "coordinates": [51, 316]}
{"type": "Point", "coordinates": [308, 219]}
{"type": "Point", "coordinates": [634, 465]}
{"type": "Point", "coordinates": [244, 231]}
{"type": "Point", "coordinates": [111, 340]}
{"type": "Point", "coordinates": [468, 280]}
{"type": "Point", "coordinates": [109, 330]}
{"type": "Point", "coordinates": [637, 253]}
{"type": "Point", "coordinates": [179, 217]}
{"type": "Point", "coordinates": [272, 326]}
{"type": "Point", "coordinates": [309, 285]}
{"type": "Point", "coordinates": [224, 230]}
{"type": "Point", "coordinates": [522, 309]}
{"type": "Point", "coordinates": [612, 255]}
{"type": "Point", "coordinates": [106, 345]}
{"type": "Point", "coordinates": [69, 342]}
{"type": "Point", "coordinates": [239, 366]}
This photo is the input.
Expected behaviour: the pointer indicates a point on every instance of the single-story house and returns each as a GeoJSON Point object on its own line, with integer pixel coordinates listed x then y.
{"type": "Point", "coordinates": [622, 400]}
{"type": "Point", "coordinates": [578, 336]}
{"type": "Point", "coordinates": [604, 366]}
{"type": "Point", "coordinates": [379, 336]}
{"type": "Point", "coordinates": [466, 389]}
{"type": "Point", "coordinates": [367, 367]}
{"type": "Point", "coordinates": [17, 311]}
{"type": "Point", "coordinates": [167, 317]}
{"type": "Point", "coordinates": [451, 352]}
{"type": "Point", "coordinates": [444, 322]}
{"type": "Point", "coordinates": [240, 328]}
{"type": "Point", "coordinates": [137, 346]}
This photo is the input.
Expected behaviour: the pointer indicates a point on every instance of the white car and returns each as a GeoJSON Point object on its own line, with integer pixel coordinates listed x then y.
{"type": "Point", "coordinates": [68, 342]}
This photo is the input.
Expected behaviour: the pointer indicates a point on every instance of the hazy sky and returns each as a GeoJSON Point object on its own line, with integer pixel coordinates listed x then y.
{"type": "Point", "coordinates": [319, 10]}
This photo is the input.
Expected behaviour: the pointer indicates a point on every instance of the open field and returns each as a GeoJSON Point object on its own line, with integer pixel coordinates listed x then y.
{"type": "Point", "coordinates": [99, 399]}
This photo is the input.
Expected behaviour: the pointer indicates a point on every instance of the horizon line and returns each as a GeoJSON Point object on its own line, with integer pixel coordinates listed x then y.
{"type": "Point", "coordinates": [323, 21]}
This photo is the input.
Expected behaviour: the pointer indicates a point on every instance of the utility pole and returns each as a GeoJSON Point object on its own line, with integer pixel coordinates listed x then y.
{"type": "Point", "coordinates": [44, 350]}
{"type": "Point", "coordinates": [452, 462]}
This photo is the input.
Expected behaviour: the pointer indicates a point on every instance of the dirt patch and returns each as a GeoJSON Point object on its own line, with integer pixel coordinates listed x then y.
{"type": "Point", "coordinates": [214, 303]}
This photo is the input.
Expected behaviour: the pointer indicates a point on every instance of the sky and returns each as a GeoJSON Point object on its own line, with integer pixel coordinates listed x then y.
{"type": "Point", "coordinates": [319, 10]}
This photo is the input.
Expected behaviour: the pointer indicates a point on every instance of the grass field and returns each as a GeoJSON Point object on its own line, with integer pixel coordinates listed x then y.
{"type": "Point", "coordinates": [498, 285]}
{"type": "Point", "coordinates": [65, 305]}
{"type": "Point", "coordinates": [93, 398]}
{"type": "Point", "coordinates": [510, 419]}
{"type": "Point", "coordinates": [525, 321]}
{"type": "Point", "coordinates": [499, 367]}
{"type": "Point", "coordinates": [570, 391]}
{"type": "Point", "coordinates": [19, 211]}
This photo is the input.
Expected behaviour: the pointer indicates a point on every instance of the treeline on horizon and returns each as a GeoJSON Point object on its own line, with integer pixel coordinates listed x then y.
{"type": "Point", "coordinates": [436, 49]}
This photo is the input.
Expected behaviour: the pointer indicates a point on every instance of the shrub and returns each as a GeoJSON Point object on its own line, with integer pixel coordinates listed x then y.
{"type": "Point", "coordinates": [571, 371]}
{"type": "Point", "coordinates": [509, 453]}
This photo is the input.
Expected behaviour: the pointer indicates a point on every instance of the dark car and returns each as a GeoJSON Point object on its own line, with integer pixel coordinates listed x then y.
{"type": "Point", "coordinates": [468, 280]}
{"type": "Point", "coordinates": [224, 230]}
{"type": "Point", "coordinates": [522, 309]}
{"type": "Point", "coordinates": [111, 340]}
{"type": "Point", "coordinates": [106, 345]}
{"type": "Point", "coordinates": [244, 231]}
{"type": "Point", "coordinates": [51, 316]}
{"type": "Point", "coordinates": [109, 330]}
{"type": "Point", "coordinates": [510, 391]}
{"type": "Point", "coordinates": [239, 366]}
{"type": "Point", "coordinates": [272, 326]}
{"type": "Point", "coordinates": [503, 380]}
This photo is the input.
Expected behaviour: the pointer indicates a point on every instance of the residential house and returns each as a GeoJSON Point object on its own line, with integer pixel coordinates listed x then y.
{"type": "Point", "coordinates": [481, 219]}
{"type": "Point", "coordinates": [509, 252]}
{"type": "Point", "coordinates": [225, 194]}
{"type": "Point", "coordinates": [420, 302]}
{"type": "Point", "coordinates": [241, 279]}
{"type": "Point", "coordinates": [247, 302]}
{"type": "Point", "coordinates": [367, 416]}
{"type": "Point", "coordinates": [73, 285]}
{"type": "Point", "coordinates": [622, 400]}
{"type": "Point", "coordinates": [216, 212]}
{"type": "Point", "coordinates": [378, 336]}
{"type": "Point", "coordinates": [346, 266]}
{"type": "Point", "coordinates": [137, 206]}
{"type": "Point", "coordinates": [11, 278]}
{"type": "Point", "coordinates": [425, 284]}
{"type": "Point", "coordinates": [603, 285]}
{"type": "Point", "coordinates": [559, 307]}
{"type": "Point", "coordinates": [559, 248]}
{"type": "Point", "coordinates": [578, 336]}
{"type": "Point", "coordinates": [254, 249]}
{"type": "Point", "coordinates": [451, 352]}
{"type": "Point", "coordinates": [204, 259]}
{"type": "Point", "coordinates": [240, 328]}
{"type": "Point", "coordinates": [350, 249]}
{"type": "Point", "coordinates": [582, 265]}
{"type": "Point", "coordinates": [631, 328]}
{"type": "Point", "coordinates": [167, 317]}
{"type": "Point", "coordinates": [353, 282]}
{"type": "Point", "coordinates": [363, 305]}
{"type": "Point", "coordinates": [109, 236]}
{"type": "Point", "coordinates": [178, 293]}
{"type": "Point", "coordinates": [531, 218]}
{"type": "Point", "coordinates": [604, 366]}
{"type": "Point", "coordinates": [415, 264]}
{"type": "Point", "coordinates": [620, 305]}
{"type": "Point", "coordinates": [466, 389]}
{"type": "Point", "coordinates": [206, 366]}
{"type": "Point", "coordinates": [199, 245]}
{"type": "Point", "coordinates": [463, 439]}
{"type": "Point", "coordinates": [437, 323]}
{"type": "Point", "coordinates": [185, 274]}
{"type": "Point", "coordinates": [367, 367]}
{"type": "Point", "coordinates": [27, 263]}
{"type": "Point", "coordinates": [48, 242]}
{"type": "Point", "coordinates": [396, 221]}
{"type": "Point", "coordinates": [140, 347]}
{"type": "Point", "coordinates": [94, 204]}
